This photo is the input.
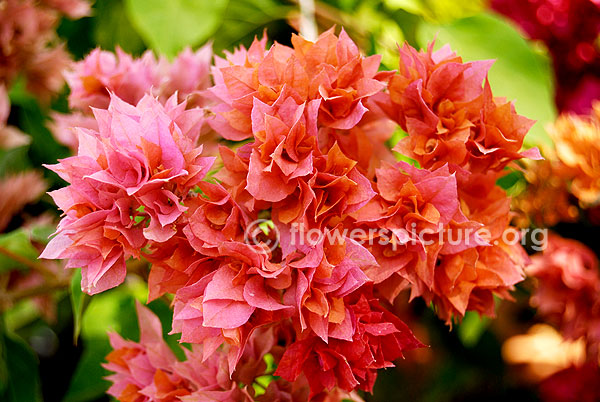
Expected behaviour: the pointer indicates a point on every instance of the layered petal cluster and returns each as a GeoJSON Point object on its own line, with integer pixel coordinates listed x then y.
{"type": "Point", "coordinates": [412, 216]}
{"type": "Point", "coordinates": [93, 79]}
{"type": "Point", "coordinates": [568, 290]}
{"type": "Point", "coordinates": [127, 184]}
{"type": "Point", "coordinates": [331, 70]}
{"type": "Point", "coordinates": [149, 371]}
{"type": "Point", "coordinates": [453, 121]}
{"type": "Point", "coordinates": [448, 110]}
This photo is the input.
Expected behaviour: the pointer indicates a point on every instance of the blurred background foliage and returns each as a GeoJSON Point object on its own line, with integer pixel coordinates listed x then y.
{"type": "Point", "coordinates": [467, 363]}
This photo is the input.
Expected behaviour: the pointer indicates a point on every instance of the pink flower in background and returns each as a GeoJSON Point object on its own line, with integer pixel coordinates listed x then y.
{"type": "Point", "coordinates": [71, 8]}
{"type": "Point", "coordinates": [10, 136]}
{"type": "Point", "coordinates": [17, 191]}
{"type": "Point", "coordinates": [188, 75]}
{"type": "Point", "coordinates": [64, 127]}
{"type": "Point", "coordinates": [93, 79]}
{"type": "Point", "coordinates": [568, 291]}
{"type": "Point", "coordinates": [569, 29]}
{"type": "Point", "coordinates": [28, 44]}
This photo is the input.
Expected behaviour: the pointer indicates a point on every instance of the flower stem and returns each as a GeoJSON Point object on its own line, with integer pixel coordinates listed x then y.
{"type": "Point", "coordinates": [308, 25]}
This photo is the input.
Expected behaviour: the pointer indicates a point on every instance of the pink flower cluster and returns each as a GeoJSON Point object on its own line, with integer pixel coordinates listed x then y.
{"type": "Point", "coordinates": [27, 31]}
{"type": "Point", "coordinates": [568, 291]}
{"type": "Point", "coordinates": [102, 73]}
{"type": "Point", "coordinates": [314, 119]}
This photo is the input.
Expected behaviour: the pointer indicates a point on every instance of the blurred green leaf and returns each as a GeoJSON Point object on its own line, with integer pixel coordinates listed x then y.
{"type": "Point", "coordinates": [14, 160]}
{"type": "Point", "coordinates": [513, 183]}
{"type": "Point", "coordinates": [17, 242]}
{"type": "Point", "coordinates": [519, 73]}
{"type": "Point", "coordinates": [78, 299]}
{"type": "Point", "coordinates": [43, 147]}
{"type": "Point", "coordinates": [113, 27]}
{"type": "Point", "coordinates": [169, 26]}
{"type": "Point", "coordinates": [88, 383]}
{"type": "Point", "coordinates": [20, 314]}
{"type": "Point", "coordinates": [113, 310]}
{"type": "Point", "coordinates": [472, 328]}
{"type": "Point", "coordinates": [243, 19]}
{"type": "Point", "coordinates": [412, 6]}
{"type": "Point", "coordinates": [439, 10]}
{"type": "Point", "coordinates": [23, 382]}
{"type": "Point", "coordinates": [41, 233]}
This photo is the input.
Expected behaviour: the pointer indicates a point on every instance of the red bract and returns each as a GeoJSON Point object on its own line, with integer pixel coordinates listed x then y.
{"type": "Point", "coordinates": [379, 338]}
{"type": "Point", "coordinates": [572, 384]}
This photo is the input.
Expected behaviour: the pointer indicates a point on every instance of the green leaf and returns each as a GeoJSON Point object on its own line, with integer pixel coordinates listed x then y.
{"type": "Point", "coordinates": [243, 19]}
{"type": "Point", "coordinates": [169, 26]}
{"type": "Point", "coordinates": [113, 310]}
{"type": "Point", "coordinates": [14, 160]}
{"type": "Point", "coordinates": [17, 242]}
{"type": "Point", "coordinates": [88, 383]}
{"type": "Point", "coordinates": [22, 382]}
{"type": "Point", "coordinates": [513, 183]}
{"type": "Point", "coordinates": [21, 314]}
{"type": "Point", "coordinates": [519, 73]}
{"type": "Point", "coordinates": [438, 10]}
{"type": "Point", "coordinates": [78, 299]}
{"type": "Point", "coordinates": [43, 147]}
{"type": "Point", "coordinates": [472, 328]}
{"type": "Point", "coordinates": [113, 27]}
{"type": "Point", "coordinates": [41, 233]}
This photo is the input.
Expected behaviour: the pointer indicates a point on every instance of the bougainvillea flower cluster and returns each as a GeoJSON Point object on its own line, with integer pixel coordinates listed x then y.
{"type": "Point", "coordinates": [569, 29]}
{"type": "Point", "coordinates": [236, 248]}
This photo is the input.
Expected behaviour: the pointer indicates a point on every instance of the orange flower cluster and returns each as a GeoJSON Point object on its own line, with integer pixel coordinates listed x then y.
{"type": "Point", "coordinates": [577, 142]}
{"type": "Point", "coordinates": [451, 118]}
{"type": "Point", "coordinates": [569, 177]}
